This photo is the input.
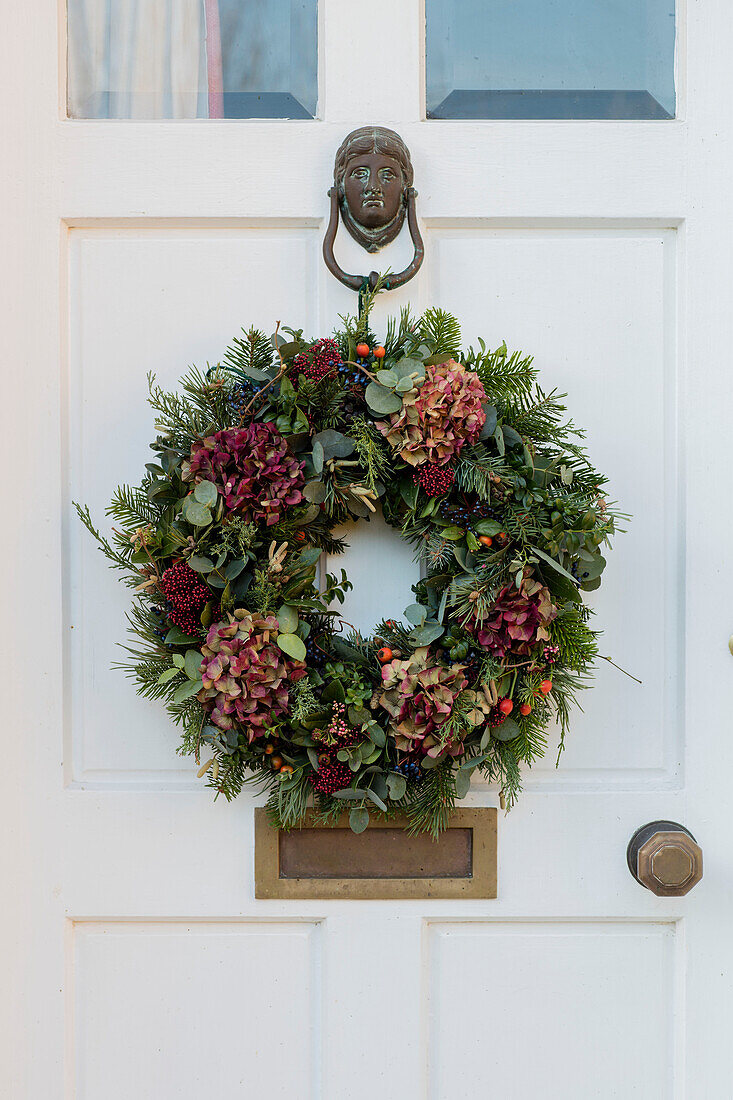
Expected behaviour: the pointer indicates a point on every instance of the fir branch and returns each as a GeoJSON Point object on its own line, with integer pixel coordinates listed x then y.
{"type": "Point", "coordinates": [441, 332]}
{"type": "Point", "coordinates": [251, 357]}
{"type": "Point", "coordinates": [431, 803]}
{"type": "Point", "coordinates": [504, 377]}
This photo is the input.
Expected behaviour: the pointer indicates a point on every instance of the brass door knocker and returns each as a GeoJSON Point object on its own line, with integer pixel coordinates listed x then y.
{"type": "Point", "coordinates": [373, 193]}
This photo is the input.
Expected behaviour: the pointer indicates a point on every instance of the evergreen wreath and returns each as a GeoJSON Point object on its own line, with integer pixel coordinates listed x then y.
{"type": "Point", "coordinates": [257, 460]}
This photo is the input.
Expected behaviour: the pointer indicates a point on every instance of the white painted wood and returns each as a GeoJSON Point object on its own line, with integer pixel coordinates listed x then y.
{"type": "Point", "coordinates": [558, 987]}
{"type": "Point", "coordinates": [129, 245]}
{"type": "Point", "coordinates": [157, 1009]}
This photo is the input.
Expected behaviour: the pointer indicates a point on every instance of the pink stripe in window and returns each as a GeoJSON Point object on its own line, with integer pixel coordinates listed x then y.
{"type": "Point", "coordinates": [213, 59]}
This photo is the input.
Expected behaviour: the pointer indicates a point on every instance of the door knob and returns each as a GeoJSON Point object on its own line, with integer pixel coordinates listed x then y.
{"type": "Point", "coordinates": [665, 858]}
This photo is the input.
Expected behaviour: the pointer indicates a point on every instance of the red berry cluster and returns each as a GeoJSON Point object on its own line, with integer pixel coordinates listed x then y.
{"type": "Point", "coordinates": [331, 776]}
{"type": "Point", "coordinates": [187, 594]}
{"type": "Point", "coordinates": [435, 480]}
{"type": "Point", "coordinates": [496, 717]}
{"type": "Point", "coordinates": [322, 359]}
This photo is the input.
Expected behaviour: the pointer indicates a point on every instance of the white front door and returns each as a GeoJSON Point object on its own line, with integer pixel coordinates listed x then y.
{"type": "Point", "coordinates": [137, 961]}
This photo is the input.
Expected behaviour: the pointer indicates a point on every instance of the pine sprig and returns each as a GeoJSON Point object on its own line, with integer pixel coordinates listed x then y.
{"type": "Point", "coordinates": [250, 357]}
{"type": "Point", "coordinates": [432, 801]}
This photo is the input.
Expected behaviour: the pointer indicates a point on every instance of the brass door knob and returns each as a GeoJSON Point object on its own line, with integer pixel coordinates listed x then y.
{"type": "Point", "coordinates": [665, 858]}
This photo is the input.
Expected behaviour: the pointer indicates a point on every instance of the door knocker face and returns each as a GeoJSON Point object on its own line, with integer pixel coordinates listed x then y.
{"type": "Point", "coordinates": [373, 194]}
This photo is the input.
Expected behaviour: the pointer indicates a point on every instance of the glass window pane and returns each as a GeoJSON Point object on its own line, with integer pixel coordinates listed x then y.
{"type": "Point", "coordinates": [550, 59]}
{"type": "Point", "coordinates": [192, 58]}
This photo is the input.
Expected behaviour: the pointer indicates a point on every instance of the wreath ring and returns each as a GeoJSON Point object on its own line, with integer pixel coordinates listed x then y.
{"type": "Point", "coordinates": [257, 460]}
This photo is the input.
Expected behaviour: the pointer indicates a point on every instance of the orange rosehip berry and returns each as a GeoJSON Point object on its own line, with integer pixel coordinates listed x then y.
{"type": "Point", "coordinates": [286, 769]}
{"type": "Point", "coordinates": [379, 353]}
{"type": "Point", "coordinates": [384, 654]}
{"type": "Point", "coordinates": [546, 686]}
{"type": "Point", "coordinates": [486, 540]}
{"type": "Point", "coordinates": [362, 350]}
{"type": "Point", "coordinates": [506, 706]}
{"type": "Point", "coordinates": [277, 762]}
{"type": "Point", "coordinates": [300, 536]}
{"type": "Point", "coordinates": [269, 749]}
{"type": "Point", "coordinates": [502, 536]}
{"type": "Point", "coordinates": [525, 709]}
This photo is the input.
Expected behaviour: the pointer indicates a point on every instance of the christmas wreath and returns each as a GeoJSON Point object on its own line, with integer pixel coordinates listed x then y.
{"type": "Point", "coordinates": [257, 460]}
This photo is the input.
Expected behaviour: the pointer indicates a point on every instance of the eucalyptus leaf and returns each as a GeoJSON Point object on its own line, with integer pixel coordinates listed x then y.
{"type": "Point", "coordinates": [490, 423]}
{"type": "Point", "coordinates": [232, 571]}
{"type": "Point", "coordinates": [241, 585]}
{"type": "Point", "coordinates": [359, 716]}
{"type": "Point", "coordinates": [315, 492]}
{"type": "Point", "coordinates": [396, 785]}
{"type": "Point", "coordinates": [335, 445]}
{"type": "Point", "coordinates": [313, 757]}
{"type": "Point", "coordinates": [416, 614]}
{"type": "Point", "coordinates": [387, 378]}
{"type": "Point", "coordinates": [507, 731]}
{"type": "Point", "coordinates": [381, 400]}
{"type": "Point", "coordinates": [175, 636]}
{"type": "Point", "coordinates": [358, 820]}
{"type": "Point", "coordinates": [287, 618]}
{"type": "Point", "coordinates": [206, 493]}
{"type": "Point", "coordinates": [186, 690]}
{"type": "Point", "coordinates": [318, 457]}
{"type": "Point", "coordinates": [292, 645]}
{"type": "Point", "coordinates": [200, 564]}
{"type": "Point", "coordinates": [463, 783]}
{"type": "Point", "coordinates": [376, 799]}
{"type": "Point", "coordinates": [408, 366]}
{"type": "Point", "coordinates": [350, 794]}
{"type": "Point", "coordinates": [197, 514]}
{"type": "Point", "coordinates": [512, 438]}
{"type": "Point", "coordinates": [404, 385]}
{"type": "Point", "coordinates": [376, 734]}
{"type": "Point", "coordinates": [192, 664]}
{"type": "Point", "coordinates": [167, 675]}
{"type": "Point", "coordinates": [424, 635]}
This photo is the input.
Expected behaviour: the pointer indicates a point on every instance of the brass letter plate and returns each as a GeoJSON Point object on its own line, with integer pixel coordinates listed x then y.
{"type": "Point", "coordinates": [383, 862]}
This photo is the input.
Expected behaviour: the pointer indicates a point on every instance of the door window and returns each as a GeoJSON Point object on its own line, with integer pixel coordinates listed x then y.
{"type": "Point", "coordinates": [192, 58]}
{"type": "Point", "coordinates": [550, 59]}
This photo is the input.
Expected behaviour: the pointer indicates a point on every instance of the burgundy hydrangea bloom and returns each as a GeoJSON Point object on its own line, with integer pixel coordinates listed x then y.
{"type": "Point", "coordinates": [245, 674]}
{"type": "Point", "coordinates": [253, 470]}
{"type": "Point", "coordinates": [187, 594]}
{"type": "Point", "coordinates": [320, 360]}
{"type": "Point", "coordinates": [419, 695]}
{"type": "Point", "coordinates": [518, 619]}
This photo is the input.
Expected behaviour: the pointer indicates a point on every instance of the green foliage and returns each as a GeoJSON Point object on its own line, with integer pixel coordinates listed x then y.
{"type": "Point", "coordinates": [520, 502]}
{"type": "Point", "coordinates": [251, 358]}
{"type": "Point", "coordinates": [431, 802]}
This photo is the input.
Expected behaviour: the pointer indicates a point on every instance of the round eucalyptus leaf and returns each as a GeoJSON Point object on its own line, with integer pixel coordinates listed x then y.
{"type": "Point", "coordinates": [381, 400]}
{"type": "Point", "coordinates": [206, 493]}
{"type": "Point", "coordinates": [200, 564]}
{"type": "Point", "coordinates": [292, 645]}
{"type": "Point", "coordinates": [507, 731]}
{"type": "Point", "coordinates": [358, 820]}
{"type": "Point", "coordinates": [197, 514]}
{"type": "Point", "coordinates": [287, 618]}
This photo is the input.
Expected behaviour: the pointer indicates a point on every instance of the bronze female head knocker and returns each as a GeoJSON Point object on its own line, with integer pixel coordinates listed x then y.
{"type": "Point", "coordinates": [372, 190]}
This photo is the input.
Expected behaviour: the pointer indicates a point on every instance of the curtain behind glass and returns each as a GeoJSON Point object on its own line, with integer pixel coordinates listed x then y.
{"type": "Point", "coordinates": [137, 59]}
